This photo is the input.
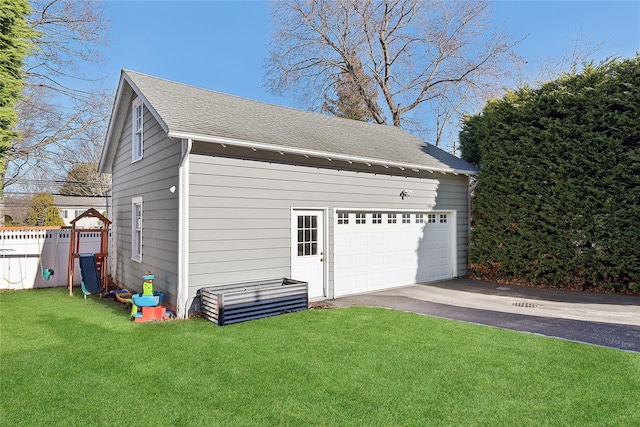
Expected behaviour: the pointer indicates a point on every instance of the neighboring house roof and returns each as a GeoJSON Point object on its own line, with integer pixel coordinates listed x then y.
{"type": "Point", "coordinates": [80, 201]}
{"type": "Point", "coordinates": [190, 112]}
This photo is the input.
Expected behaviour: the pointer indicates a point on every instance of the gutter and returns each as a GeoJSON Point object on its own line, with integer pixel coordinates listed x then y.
{"type": "Point", "coordinates": [317, 154]}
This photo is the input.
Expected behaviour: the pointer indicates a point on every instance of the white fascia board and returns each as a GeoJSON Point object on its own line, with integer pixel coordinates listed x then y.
{"type": "Point", "coordinates": [112, 121]}
{"type": "Point", "coordinates": [116, 115]}
{"type": "Point", "coordinates": [312, 153]}
{"type": "Point", "coordinates": [146, 102]}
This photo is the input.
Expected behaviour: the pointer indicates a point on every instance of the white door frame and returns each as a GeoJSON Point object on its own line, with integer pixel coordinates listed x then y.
{"type": "Point", "coordinates": [454, 241]}
{"type": "Point", "coordinates": [323, 212]}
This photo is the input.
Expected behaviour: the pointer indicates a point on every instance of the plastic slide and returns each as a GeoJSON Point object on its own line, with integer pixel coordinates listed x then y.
{"type": "Point", "coordinates": [89, 273]}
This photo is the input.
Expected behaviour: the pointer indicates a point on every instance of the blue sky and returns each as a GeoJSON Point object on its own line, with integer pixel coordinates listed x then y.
{"type": "Point", "coordinates": [222, 45]}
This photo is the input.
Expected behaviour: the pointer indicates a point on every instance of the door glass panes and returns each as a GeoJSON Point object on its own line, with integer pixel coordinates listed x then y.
{"type": "Point", "coordinates": [307, 235]}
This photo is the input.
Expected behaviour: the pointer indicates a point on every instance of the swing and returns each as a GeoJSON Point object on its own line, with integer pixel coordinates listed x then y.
{"type": "Point", "coordinates": [22, 277]}
{"type": "Point", "coordinates": [48, 272]}
{"type": "Point", "coordinates": [21, 281]}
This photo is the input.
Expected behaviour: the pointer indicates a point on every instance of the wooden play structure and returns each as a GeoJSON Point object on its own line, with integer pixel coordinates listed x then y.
{"type": "Point", "coordinates": [100, 257]}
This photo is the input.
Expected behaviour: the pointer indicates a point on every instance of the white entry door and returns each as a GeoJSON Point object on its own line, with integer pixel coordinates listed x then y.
{"type": "Point", "coordinates": [307, 250]}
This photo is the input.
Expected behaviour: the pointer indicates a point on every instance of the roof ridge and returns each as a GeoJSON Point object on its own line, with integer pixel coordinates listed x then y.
{"type": "Point", "coordinates": [316, 114]}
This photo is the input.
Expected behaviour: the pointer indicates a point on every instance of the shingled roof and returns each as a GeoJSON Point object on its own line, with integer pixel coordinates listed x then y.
{"type": "Point", "coordinates": [186, 111]}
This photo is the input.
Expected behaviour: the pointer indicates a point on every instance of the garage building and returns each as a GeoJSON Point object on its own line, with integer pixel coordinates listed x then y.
{"type": "Point", "coordinates": [211, 189]}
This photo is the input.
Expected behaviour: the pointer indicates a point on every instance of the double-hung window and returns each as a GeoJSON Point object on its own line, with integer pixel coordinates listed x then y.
{"type": "Point", "coordinates": [136, 229]}
{"type": "Point", "coordinates": [137, 127]}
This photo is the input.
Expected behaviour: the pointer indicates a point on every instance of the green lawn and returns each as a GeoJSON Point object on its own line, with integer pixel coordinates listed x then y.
{"type": "Point", "coordinates": [73, 362]}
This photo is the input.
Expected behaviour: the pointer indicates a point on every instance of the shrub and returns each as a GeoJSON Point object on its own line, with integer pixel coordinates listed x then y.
{"type": "Point", "coordinates": [557, 200]}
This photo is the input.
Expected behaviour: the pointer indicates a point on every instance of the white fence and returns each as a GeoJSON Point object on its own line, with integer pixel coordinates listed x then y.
{"type": "Point", "coordinates": [24, 254]}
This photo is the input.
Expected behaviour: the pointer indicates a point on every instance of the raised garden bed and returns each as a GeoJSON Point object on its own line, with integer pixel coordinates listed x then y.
{"type": "Point", "coordinates": [239, 302]}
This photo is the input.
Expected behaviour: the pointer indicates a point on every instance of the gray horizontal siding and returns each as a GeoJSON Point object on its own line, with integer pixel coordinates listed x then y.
{"type": "Point", "coordinates": [236, 255]}
{"type": "Point", "coordinates": [216, 234]}
{"type": "Point", "coordinates": [240, 212]}
{"type": "Point", "coordinates": [149, 178]}
{"type": "Point", "coordinates": [270, 262]}
{"type": "Point", "coordinates": [287, 181]}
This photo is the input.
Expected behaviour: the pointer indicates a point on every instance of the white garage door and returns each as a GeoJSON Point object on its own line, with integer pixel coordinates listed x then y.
{"type": "Point", "coordinates": [379, 250]}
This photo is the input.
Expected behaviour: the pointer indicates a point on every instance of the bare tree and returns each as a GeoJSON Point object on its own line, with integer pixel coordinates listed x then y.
{"type": "Point", "coordinates": [83, 180]}
{"type": "Point", "coordinates": [63, 105]}
{"type": "Point", "coordinates": [426, 58]}
{"type": "Point", "coordinates": [16, 209]}
{"type": "Point", "coordinates": [349, 102]}
{"type": "Point", "coordinates": [579, 52]}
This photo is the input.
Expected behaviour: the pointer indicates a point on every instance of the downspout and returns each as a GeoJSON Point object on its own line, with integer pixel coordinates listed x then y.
{"type": "Point", "coordinates": [182, 311]}
{"type": "Point", "coordinates": [469, 194]}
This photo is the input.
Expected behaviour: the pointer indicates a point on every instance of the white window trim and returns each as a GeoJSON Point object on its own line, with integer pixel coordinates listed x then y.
{"type": "Point", "coordinates": [135, 155]}
{"type": "Point", "coordinates": [136, 253]}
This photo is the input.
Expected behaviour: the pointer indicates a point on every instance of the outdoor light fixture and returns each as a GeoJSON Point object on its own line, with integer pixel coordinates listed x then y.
{"type": "Point", "coordinates": [405, 193]}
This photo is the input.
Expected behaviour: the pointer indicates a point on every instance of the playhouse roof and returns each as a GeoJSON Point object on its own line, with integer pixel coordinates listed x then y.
{"type": "Point", "coordinates": [91, 213]}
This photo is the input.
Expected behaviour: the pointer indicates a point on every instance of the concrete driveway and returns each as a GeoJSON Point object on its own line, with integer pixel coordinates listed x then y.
{"type": "Point", "coordinates": [599, 319]}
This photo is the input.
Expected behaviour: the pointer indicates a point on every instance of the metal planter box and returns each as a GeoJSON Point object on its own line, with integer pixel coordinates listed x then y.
{"type": "Point", "coordinates": [239, 302]}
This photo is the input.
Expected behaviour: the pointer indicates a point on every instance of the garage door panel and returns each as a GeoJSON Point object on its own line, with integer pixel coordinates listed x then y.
{"type": "Point", "coordinates": [391, 238]}
{"type": "Point", "coordinates": [377, 239]}
{"type": "Point", "coordinates": [391, 258]}
{"type": "Point", "coordinates": [360, 260]}
{"type": "Point", "coordinates": [371, 256]}
{"type": "Point", "coordinates": [377, 257]}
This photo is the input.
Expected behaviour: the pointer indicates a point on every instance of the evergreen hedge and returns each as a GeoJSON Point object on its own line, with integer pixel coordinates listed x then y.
{"type": "Point", "coordinates": [557, 200]}
{"type": "Point", "coordinates": [15, 42]}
